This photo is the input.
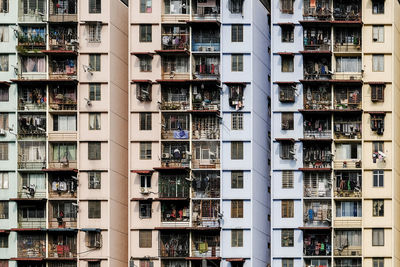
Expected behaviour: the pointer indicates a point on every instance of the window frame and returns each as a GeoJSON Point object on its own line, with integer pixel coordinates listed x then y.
{"type": "Point", "coordinates": [237, 150]}
{"type": "Point", "coordinates": [94, 180]}
{"type": "Point", "coordinates": [95, 59]}
{"type": "Point", "coordinates": [289, 235]}
{"type": "Point", "coordinates": [287, 179]}
{"type": "Point", "coordinates": [95, 92]}
{"type": "Point", "coordinates": [378, 63]}
{"type": "Point", "coordinates": [237, 62]}
{"type": "Point", "coordinates": [145, 33]}
{"type": "Point", "coordinates": [377, 92]}
{"type": "Point", "coordinates": [96, 116]}
{"type": "Point", "coordinates": [237, 209]}
{"type": "Point", "coordinates": [144, 7]}
{"type": "Point", "coordinates": [237, 238]}
{"type": "Point", "coordinates": [94, 155]}
{"type": "Point", "coordinates": [378, 208]}
{"type": "Point", "coordinates": [145, 152]}
{"type": "Point", "coordinates": [287, 209]}
{"type": "Point", "coordinates": [377, 7]}
{"type": "Point", "coordinates": [94, 6]}
{"type": "Point", "coordinates": [145, 238]}
{"type": "Point", "coordinates": [237, 121]}
{"type": "Point", "coordinates": [379, 31]}
{"type": "Point", "coordinates": [237, 181]}
{"type": "Point", "coordinates": [94, 209]}
{"type": "Point", "coordinates": [378, 176]}
{"type": "Point", "coordinates": [145, 121]}
{"type": "Point", "coordinates": [147, 207]}
{"type": "Point", "coordinates": [287, 33]}
{"type": "Point", "coordinates": [237, 31]}
{"type": "Point", "coordinates": [378, 231]}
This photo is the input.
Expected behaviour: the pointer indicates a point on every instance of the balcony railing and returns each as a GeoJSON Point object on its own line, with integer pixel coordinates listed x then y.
{"type": "Point", "coordinates": [347, 47]}
{"type": "Point", "coordinates": [207, 246]}
{"type": "Point", "coordinates": [61, 251]}
{"type": "Point", "coordinates": [175, 102]}
{"type": "Point", "coordinates": [65, 69]}
{"type": "Point", "coordinates": [28, 194]}
{"type": "Point", "coordinates": [70, 164]}
{"type": "Point", "coordinates": [67, 11]}
{"type": "Point", "coordinates": [317, 192]}
{"type": "Point", "coordinates": [347, 76]}
{"type": "Point", "coordinates": [347, 164]}
{"type": "Point", "coordinates": [172, 41]}
{"type": "Point", "coordinates": [31, 246]}
{"type": "Point", "coordinates": [317, 13]}
{"type": "Point", "coordinates": [31, 223]}
{"type": "Point", "coordinates": [206, 12]}
{"type": "Point", "coordinates": [31, 165]}
{"type": "Point", "coordinates": [63, 223]}
{"type": "Point", "coordinates": [348, 251]}
{"type": "Point", "coordinates": [347, 129]}
{"type": "Point", "coordinates": [207, 45]}
{"type": "Point", "coordinates": [317, 214]}
{"type": "Point", "coordinates": [347, 14]}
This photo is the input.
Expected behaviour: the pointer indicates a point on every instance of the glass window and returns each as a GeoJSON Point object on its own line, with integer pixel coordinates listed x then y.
{"type": "Point", "coordinates": [145, 237]}
{"type": "Point", "coordinates": [236, 150]}
{"type": "Point", "coordinates": [287, 238]}
{"type": "Point", "coordinates": [378, 6]}
{"type": "Point", "coordinates": [4, 33]}
{"type": "Point", "coordinates": [287, 63]}
{"type": "Point", "coordinates": [94, 209]}
{"type": "Point", "coordinates": [95, 92]}
{"type": "Point", "coordinates": [3, 180]}
{"type": "Point", "coordinates": [145, 64]}
{"type": "Point", "coordinates": [65, 123]}
{"type": "Point", "coordinates": [348, 64]}
{"type": "Point", "coordinates": [145, 121]}
{"type": "Point", "coordinates": [236, 179]}
{"type": "Point", "coordinates": [95, 62]}
{"type": "Point", "coordinates": [236, 238]}
{"type": "Point", "coordinates": [378, 177]}
{"type": "Point", "coordinates": [287, 179]}
{"type": "Point", "coordinates": [237, 121]}
{"type": "Point", "coordinates": [94, 121]}
{"type": "Point", "coordinates": [286, 6]}
{"type": "Point", "coordinates": [64, 152]}
{"type": "Point", "coordinates": [287, 34]}
{"type": "Point", "coordinates": [4, 94]}
{"type": "Point", "coordinates": [145, 34]}
{"type": "Point", "coordinates": [237, 209]}
{"type": "Point", "coordinates": [3, 209]}
{"type": "Point", "coordinates": [378, 208]}
{"type": "Point", "coordinates": [378, 62]}
{"type": "Point", "coordinates": [237, 33]}
{"type": "Point", "coordinates": [94, 150]}
{"type": "Point", "coordinates": [287, 263]}
{"type": "Point", "coordinates": [3, 121]}
{"type": "Point", "coordinates": [94, 180]}
{"type": "Point", "coordinates": [287, 122]}
{"type": "Point", "coordinates": [95, 32]}
{"type": "Point", "coordinates": [378, 237]}
{"type": "Point", "coordinates": [378, 33]}
{"type": "Point", "coordinates": [378, 262]}
{"type": "Point", "coordinates": [144, 209]}
{"type": "Point", "coordinates": [145, 150]}
{"type": "Point", "coordinates": [145, 181]}
{"type": "Point", "coordinates": [145, 6]}
{"type": "Point", "coordinates": [3, 9]}
{"type": "Point", "coordinates": [287, 209]}
{"type": "Point", "coordinates": [237, 63]}
{"type": "Point", "coordinates": [3, 151]}
{"type": "Point", "coordinates": [94, 6]}
{"type": "Point", "coordinates": [348, 209]}
{"type": "Point", "coordinates": [235, 6]}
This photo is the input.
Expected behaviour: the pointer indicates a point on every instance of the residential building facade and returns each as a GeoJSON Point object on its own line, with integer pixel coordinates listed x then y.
{"type": "Point", "coordinates": [334, 94]}
{"type": "Point", "coordinates": [198, 124]}
{"type": "Point", "coordinates": [63, 142]}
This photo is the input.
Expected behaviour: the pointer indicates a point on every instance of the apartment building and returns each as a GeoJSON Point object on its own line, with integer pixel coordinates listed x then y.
{"type": "Point", "coordinates": [63, 133]}
{"type": "Point", "coordinates": [334, 94]}
{"type": "Point", "coordinates": [198, 125]}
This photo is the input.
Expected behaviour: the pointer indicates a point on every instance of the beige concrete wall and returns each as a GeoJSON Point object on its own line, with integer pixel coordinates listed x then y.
{"type": "Point", "coordinates": [138, 164]}
{"type": "Point", "coordinates": [151, 135]}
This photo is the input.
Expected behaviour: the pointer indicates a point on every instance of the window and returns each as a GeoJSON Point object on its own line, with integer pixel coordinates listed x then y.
{"type": "Point", "coordinates": [287, 238]}
{"type": "Point", "coordinates": [236, 179]}
{"type": "Point", "coordinates": [348, 209]}
{"type": "Point", "coordinates": [3, 121]}
{"type": "Point", "coordinates": [95, 32]}
{"type": "Point", "coordinates": [4, 8]}
{"type": "Point", "coordinates": [287, 179]}
{"type": "Point", "coordinates": [145, 238]}
{"type": "Point", "coordinates": [237, 62]}
{"type": "Point", "coordinates": [3, 151]}
{"type": "Point", "coordinates": [286, 150]}
{"type": "Point", "coordinates": [237, 209]}
{"type": "Point", "coordinates": [94, 150]}
{"type": "Point", "coordinates": [235, 6]}
{"type": "Point", "coordinates": [94, 121]}
{"type": "Point", "coordinates": [348, 64]}
{"type": "Point", "coordinates": [95, 92]}
{"type": "Point", "coordinates": [377, 92]}
{"type": "Point", "coordinates": [145, 64]}
{"type": "Point", "coordinates": [145, 6]}
{"type": "Point", "coordinates": [95, 62]}
{"type": "Point", "coordinates": [145, 181]}
{"type": "Point", "coordinates": [236, 238]}
{"type": "Point", "coordinates": [378, 6]}
{"type": "Point", "coordinates": [287, 209]}
{"type": "Point", "coordinates": [287, 121]}
{"type": "Point", "coordinates": [287, 263]}
{"type": "Point", "coordinates": [3, 241]}
{"type": "Point", "coordinates": [287, 63]}
{"type": "Point", "coordinates": [94, 180]}
{"type": "Point", "coordinates": [378, 63]}
{"type": "Point", "coordinates": [378, 262]}
{"type": "Point", "coordinates": [145, 121]}
{"type": "Point", "coordinates": [236, 150]}
{"type": "Point", "coordinates": [287, 33]}
{"type": "Point", "coordinates": [236, 33]}
{"type": "Point", "coordinates": [286, 6]}
{"type": "Point", "coordinates": [33, 64]}
{"type": "Point", "coordinates": [378, 33]}
{"type": "Point", "coordinates": [378, 207]}
{"type": "Point", "coordinates": [4, 34]}
{"type": "Point", "coordinates": [64, 152]}
{"type": "Point", "coordinates": [145, 150]}
{"type": "Point", "coordinates": [94, 264]}
{"type": "Point", "coordinates": [64, 123]}
{"type": "Point", "coordinates": [145, 33]}
{"type": "Point", "coordinates": [378, 123]}
{"type": "Point", "coordinates": [93, 240]}
{"type": "Point", "coordinates": [378, 177]}
{"type": "Point", "coordinates": [377, 150]}
{"type": "Point", "coordinates": [94, 6]}
{"type": "Point", "coordinates": [64, 209]}
{"type": "Point", "coordinates": [237, 121]}
{"type": "Point", "coordinates": [144, 209]}
{"type": "Point", "coordinates": [378, 237]}
{"type": "Point", "coordinates": [3, 62]}
{"type": "Point", "coordinates": [3, 209]}
{"type": "Point", "coordinates": [3, 180]}
{"type": "Point", "coordinates": [94, 209]}
{"type": "Point", "coordinates": [3, 94]}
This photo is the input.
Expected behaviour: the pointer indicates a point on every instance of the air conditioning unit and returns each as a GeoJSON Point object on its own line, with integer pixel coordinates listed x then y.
{"type": "Point", "coordinates": [166, 156]}
{"type": "Point", "coordinates": [144, 190]}
{"type": "Point", "coordinates": [2, 132]}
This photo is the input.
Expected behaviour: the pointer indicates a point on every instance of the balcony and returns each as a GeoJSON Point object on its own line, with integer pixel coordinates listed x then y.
{"type": "Point", "coordinates": [175, 11]}
{"type": "Point", "coordinates": [205, 213]}
{"type": "Point", "coordinates": [31, 245]}
{"type": "Point", "coordinates": [206, 99]}
{"type": "Point", "coordinates": [347, 39]}
{"type": "Point", "coordinates": [287, 93]}
{"type": "Point", "coordinates": [205, 128]}
{"type": "Point", "coordinates": [174, 245]}
{"type": "Point", "coordinates": [31, 38]}
{"type": "Point", "coordinates": [348, 155]}
{"type": "Point", "coordinates": [206, 67]}
{"type": "Point", "coordinates": [317, 127]}
{"type": "Point", "coordinates": [63, 69]}
{"type": "Point", "coordinates": [175, 38]}
{"type": "Point", "coordinates": [351, 262]}
{"type": "Point", "coordinates": [206, 9]}
{"type": "Point", "coordinates": [175, 67]}
{"type": "Point", "coordinates": [206, 155]}
{"type": "Point", "coordinates": [32, 186]}
{"type": "Point", "coordinates": [317, 67]}
{"type": "Point", "coordinates": [173, 186]}
{"type": "Point", "coordinates": [32, 98]}
{"type": "Point", "coordinates": [63, 156]}
{"type": "Point", "coordinates": [317, 185]}
{"type": "Point", "coordinates": [347, 243]}
{"type": "Point", "coordinates": [175, 126]}
{"type": "Point", "coordinates": [174, 263]}
{"type": "Point", "coordinates": [317, 244]}
{"type": "Point", "coordinates": [175, 213]}
{"type": "Point", "coordinates": [206, 40]}
{"type": "Point", "coordinates": [345, 10]}
{"type": "Point", "coordinates": [62, 214]}
{"type": "Point", "coordinates": [62, 185]}
{"type": "Point", "coordinates": [62, 246]}
{"type": "Point", "coordinates": [348, 184]}
{"type": "Point", "coordinates": [317, 10]}
{"type": "Point", "coordinates": [63, 11]}
{"type": "Point", "coordinates": [205, 245]}
{"type": "Point", "coordinates": [347, 99]}
{"type": "Point", "coordinates": [32, 67]}
{"type": "Point", "coordinates": [317, 98]}
{"type": "Point", "coordinates": [317, 156]}
{"type": "Point", "coordinates": [31, 155]}
{"type": "Point", "coordinates": [174, 155]}
{"type": "Point", "coordinates": [317, 213]}
{"type": "Point", "coordinates": [317, 39]}
{"type": "Point", "coordinates": [31, 125]}
{"type": "Point", "coordinates": [320, 262]}
{"type": "Point", "coordinates": [32, 11]}
{"type": "Point", "coordinates": [206, 184]}
{"type": "Point", "coordinates": [348, 126]}
{"type": "Point", "coordinates": [32, 216]}
{"type": "Point", "coordinates": [175, 98]}
{"type": "Point", "coordinates": [348, 69]}
{"type": "Point", "coordinates": [63, 98]}
{"type": "Point", "coordinates": [63, 38]}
